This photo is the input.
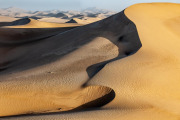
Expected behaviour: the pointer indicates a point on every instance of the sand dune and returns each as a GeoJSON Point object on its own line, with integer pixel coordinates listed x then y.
{"type": "Point", "coordinates": [59, 67]}
{"type": "Point", "coordinates": [4, 20]}
{"type": "Point", "coordinates": [129, 61]}
{"type": "Point", "coordinates": [76, 20]}
{"type": "Point", "coordinates": [23, 35]}
{"type": "Point", "coordinates": [7, 19]}
{"type": "Point", "coordinates": [31, 23]}
{"type": "Point", "coordinates": [53, 20]}
{"type": "Point", "coordinates": [84, 20]}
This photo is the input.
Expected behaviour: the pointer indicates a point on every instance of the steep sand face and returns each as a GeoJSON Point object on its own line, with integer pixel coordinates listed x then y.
{"type": "Point", "coordinates": [146, 84]}
{"type": "Point", "coordinates": [31, 23]}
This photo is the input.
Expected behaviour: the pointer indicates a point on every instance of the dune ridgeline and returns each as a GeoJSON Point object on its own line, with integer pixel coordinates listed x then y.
{"type": "Point", "coordinates": [123, 67]}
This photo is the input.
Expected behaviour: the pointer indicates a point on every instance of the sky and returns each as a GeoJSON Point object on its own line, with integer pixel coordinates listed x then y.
{"type": "Point", "coordinates": [115, 5]}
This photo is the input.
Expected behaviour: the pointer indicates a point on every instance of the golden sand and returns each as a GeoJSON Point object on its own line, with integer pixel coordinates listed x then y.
{"type": "Point", "coordinates": [146, 84]}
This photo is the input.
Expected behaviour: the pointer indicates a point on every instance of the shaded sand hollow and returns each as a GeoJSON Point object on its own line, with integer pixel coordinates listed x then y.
{"type": "Point", "coordinates": [130, 60]}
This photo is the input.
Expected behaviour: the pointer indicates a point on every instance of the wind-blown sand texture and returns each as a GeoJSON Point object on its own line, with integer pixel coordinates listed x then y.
{"type": "Point", "coordinates": [128, 62]}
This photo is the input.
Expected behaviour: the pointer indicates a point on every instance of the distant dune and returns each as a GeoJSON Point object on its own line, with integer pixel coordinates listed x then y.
{"type": "Point", "coordinates": [76, 20]}
{"type": "Point", "coordinates": [85, 20]}
{"type": "Point", "coordinates": [124, 67]}
{"type": "Point", "coordinates": [31, 23]}
{"type": "Point", "coordinates": [53, 20]}
{"type": "Point", "coordinates": [4, 20]}
{"type": "Point", "coordinates": [7, 19]}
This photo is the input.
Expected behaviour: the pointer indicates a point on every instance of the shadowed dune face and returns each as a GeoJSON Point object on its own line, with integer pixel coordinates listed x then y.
{"type": "Point", "coordinates": [20, 22]}
{"type": "Point", "coordinates": [4, 20]}
{"type": "Point", "coordinates": [18, 36]}
{"type": "Point", "coordinates": [52, 73]}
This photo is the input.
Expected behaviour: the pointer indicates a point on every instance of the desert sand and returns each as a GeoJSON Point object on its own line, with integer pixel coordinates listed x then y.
{"type": "Point", "coordinates": [7, 19]}
{"type": "Point", "coordinates": [128, 63]}
{"type": "Point", "coordinates": [31, 23]}
{"type": "Point", "coordinates": [4, 20]}
{"type": "Point", "coordinates": [84, 20]}
{"type": "Point", "coordinates": [53, 20]}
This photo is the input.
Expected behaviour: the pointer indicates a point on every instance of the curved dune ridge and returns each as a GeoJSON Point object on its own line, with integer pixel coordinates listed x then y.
{"type": "Point", "coordinates": [128, 63]}
{"type": "Point", "coordinates": [52, 73]}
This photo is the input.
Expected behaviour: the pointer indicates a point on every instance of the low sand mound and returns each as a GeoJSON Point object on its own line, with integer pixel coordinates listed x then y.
{"type": "Point", "coordinates": [31, 23]}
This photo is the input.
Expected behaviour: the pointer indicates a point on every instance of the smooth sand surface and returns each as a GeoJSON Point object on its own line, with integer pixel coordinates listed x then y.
{"type": "Point", "coordinates": [70, 70]}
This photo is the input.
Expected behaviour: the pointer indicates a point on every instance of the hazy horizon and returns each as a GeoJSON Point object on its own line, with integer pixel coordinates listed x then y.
{"type": "Point", "coordinates": [34, 5]}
